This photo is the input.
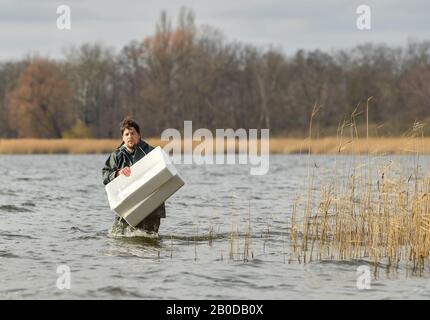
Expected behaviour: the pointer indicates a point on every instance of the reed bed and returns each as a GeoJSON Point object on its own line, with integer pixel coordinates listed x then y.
{"type": "Point", "coordinates": [329, 145]}
{"type": "Point", "coordinates": [377, 209]}
{"type": "Point", "coordinates": [388, 224]}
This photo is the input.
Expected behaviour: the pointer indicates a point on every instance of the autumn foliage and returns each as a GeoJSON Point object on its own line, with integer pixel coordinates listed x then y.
{"type": "Point", "coordinates": [38, 104]}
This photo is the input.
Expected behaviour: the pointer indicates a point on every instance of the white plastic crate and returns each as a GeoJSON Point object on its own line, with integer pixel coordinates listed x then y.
{"type": "Point", "coordinates": [152, 181]}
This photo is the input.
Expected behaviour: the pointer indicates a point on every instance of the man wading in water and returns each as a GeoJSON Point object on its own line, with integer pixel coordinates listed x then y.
{"type": "Point", "coordinates": [131, 150]}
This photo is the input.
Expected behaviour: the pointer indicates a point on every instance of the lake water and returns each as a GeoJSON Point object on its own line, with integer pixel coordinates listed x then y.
{"type": "Point", "coordinates": [54, 211]}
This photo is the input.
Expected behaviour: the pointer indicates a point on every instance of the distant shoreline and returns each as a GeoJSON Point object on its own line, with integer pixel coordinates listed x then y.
{"type": "Point", "coordinates": [330, 145]}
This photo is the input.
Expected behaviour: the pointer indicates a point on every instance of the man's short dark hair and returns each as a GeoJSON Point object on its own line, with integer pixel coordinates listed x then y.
{"type": "Point", "coordinates": [129, 123]}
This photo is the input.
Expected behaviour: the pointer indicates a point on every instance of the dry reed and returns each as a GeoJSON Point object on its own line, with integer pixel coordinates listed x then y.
{"type": "Point", "coordinates": [379, 211]}
{"type": "Point", "coordinates": [329, 145]}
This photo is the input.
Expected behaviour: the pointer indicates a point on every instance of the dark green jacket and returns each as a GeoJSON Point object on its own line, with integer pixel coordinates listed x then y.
{"type": "Point", "coordinates": [121, 158]}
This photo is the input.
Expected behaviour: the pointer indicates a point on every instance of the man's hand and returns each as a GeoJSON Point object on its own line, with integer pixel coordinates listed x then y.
{"type": "Point", "coordinates": [125, 171]}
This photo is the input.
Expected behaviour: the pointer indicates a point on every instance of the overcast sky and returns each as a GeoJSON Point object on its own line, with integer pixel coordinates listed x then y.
{"type": "Point", "coordinates": [29, 26]}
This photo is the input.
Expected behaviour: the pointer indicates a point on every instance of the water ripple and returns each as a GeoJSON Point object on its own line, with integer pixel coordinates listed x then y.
{"type": "Point", "coordinates": [13, 208]}
{"type": "Point", "coordinates": [118, 292]}
{"type": "Point", "coordinates": [7, 254]}
{"type": "Point", "coordinates": [14, 235]}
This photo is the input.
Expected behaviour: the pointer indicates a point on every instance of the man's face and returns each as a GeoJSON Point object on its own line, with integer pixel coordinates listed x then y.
{"type": "Point", "coordinates": [130, 137]}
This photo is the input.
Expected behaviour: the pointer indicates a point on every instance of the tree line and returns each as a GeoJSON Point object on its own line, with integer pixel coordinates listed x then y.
{"type": "Point", "coordinates": [185, 72]}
